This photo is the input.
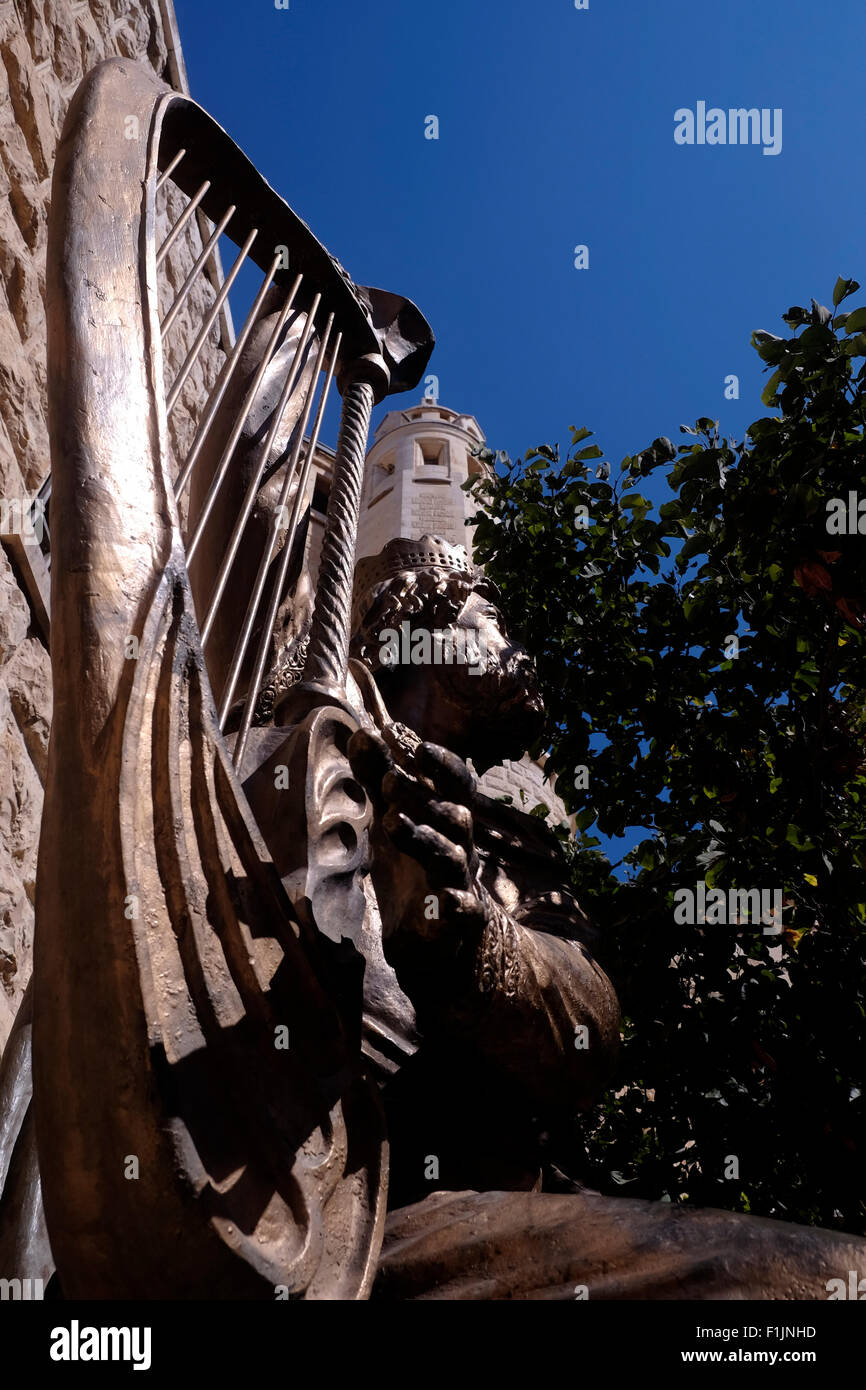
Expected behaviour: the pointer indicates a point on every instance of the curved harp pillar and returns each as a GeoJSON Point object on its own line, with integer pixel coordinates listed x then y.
{"type": "Point", "coordinates": [204, 1126]}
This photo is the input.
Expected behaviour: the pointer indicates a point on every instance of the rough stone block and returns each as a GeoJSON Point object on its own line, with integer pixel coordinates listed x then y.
{"type": "Point", "coordinates": [29, 104]}
{"type": "Point", "coordinates": [20, 797]}
{"type": "Point", "coordinates": [14, 611]}
{"type": "Point", "coordinates": [28, 680]}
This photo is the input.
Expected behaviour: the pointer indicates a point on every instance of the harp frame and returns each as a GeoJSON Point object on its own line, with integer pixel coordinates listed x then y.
{"type": "Point", "coordinates": [168, 954]}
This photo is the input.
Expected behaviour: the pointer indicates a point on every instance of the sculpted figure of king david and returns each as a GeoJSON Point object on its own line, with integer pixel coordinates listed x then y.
{"type": "Point", "coordinates": [486, 1014]}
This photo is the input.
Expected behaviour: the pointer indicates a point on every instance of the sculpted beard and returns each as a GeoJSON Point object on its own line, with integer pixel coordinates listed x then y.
{"type": "Point", "coordinates": [502, 703]}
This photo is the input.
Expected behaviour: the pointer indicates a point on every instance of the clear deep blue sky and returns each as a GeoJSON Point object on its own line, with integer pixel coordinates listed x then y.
{"type": "Point", "coordinates": [557, 129]}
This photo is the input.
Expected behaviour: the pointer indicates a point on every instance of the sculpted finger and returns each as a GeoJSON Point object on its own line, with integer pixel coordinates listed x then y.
{"type": "Point", "coordinates": [445, 862]}
{"type": "Point", "coordinates": [413, 798]}
{"type": "Point", "coordinates": [452, 778]}
{"type": "Point", "coordinates": [463, 908]}
{"type": "Point", "coordinates": [455, 822]}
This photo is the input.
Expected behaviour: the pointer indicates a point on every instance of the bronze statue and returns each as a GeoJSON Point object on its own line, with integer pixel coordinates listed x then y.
{"type": "Point", "coordinates": [516, 1024]}
{"type": "Point", "coordinates": [304, 1001]}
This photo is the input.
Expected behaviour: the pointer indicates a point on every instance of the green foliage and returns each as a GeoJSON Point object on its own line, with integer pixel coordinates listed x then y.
{"type": "Point", "coordinates": [742, 760]}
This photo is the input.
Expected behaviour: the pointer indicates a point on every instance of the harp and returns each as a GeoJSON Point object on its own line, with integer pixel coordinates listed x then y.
{"type": "Point", "coordinates": [205, 1127]}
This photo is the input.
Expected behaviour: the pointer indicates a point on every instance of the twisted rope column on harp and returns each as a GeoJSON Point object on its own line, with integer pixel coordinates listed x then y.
{"type": "Point", "coordinates": [328, 652]}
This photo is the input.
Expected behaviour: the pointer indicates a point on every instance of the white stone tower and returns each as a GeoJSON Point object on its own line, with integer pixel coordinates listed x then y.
{"type": "Point", "coordinates": [418, 459]}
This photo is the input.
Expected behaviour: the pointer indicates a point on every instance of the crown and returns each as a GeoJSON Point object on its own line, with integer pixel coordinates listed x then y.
{"type": "Point", "coordinates": [401, 554]}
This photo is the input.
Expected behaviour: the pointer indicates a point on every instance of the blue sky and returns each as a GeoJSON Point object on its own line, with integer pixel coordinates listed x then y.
{"type": "Point", "coordinates": [556, 128]}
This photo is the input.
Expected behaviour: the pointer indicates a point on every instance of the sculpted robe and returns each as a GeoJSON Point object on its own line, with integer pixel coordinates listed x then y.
{"type": "Point", "coordinates": [473, 1085]}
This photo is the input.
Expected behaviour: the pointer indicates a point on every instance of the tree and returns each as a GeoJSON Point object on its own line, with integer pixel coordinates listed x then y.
{"type": "Point", "coordinates": [705, 660]}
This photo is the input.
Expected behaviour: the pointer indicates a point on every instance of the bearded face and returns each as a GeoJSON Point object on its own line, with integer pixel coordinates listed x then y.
{"type": "Point", "coordinates": [446, 666]}
{"type": "Point", "coordinates": [497, 691]}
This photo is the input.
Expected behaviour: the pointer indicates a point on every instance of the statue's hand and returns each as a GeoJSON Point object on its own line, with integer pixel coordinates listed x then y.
{"type": "Point", "coordinates": [425, 868]}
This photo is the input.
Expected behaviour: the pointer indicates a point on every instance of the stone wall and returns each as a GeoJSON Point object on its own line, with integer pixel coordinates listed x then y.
{"type": "Point", "coordinates": [524, 783]}
{"type": "Point", "coordinates": [46, 47]}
